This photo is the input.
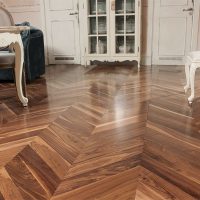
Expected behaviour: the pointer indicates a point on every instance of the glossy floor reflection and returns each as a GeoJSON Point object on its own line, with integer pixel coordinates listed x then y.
{"type": "Point", "coordinates": [102, 132]}
{"type": "Point", "coordinates": [172, 141]}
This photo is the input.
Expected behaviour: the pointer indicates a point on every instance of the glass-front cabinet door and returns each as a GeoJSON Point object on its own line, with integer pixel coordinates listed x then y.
{"type": "Point", "coordinates": [125, 26]}
{"type": "Point", "coordinates": [98, 27]}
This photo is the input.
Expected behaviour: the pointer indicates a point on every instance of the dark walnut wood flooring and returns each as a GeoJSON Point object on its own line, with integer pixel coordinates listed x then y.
{"type": "Point", "coordinates": [101, 133]}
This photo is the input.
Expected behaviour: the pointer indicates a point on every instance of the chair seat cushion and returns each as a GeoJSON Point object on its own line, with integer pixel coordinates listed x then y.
{"type": "Point", "coordinates": [194, 56]}
{"type": "Point", "coordinates": [7, 58]}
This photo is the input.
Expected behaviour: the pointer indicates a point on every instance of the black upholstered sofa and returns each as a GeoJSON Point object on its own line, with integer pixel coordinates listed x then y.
{"type": "Point", "coordinates": [34, 57]}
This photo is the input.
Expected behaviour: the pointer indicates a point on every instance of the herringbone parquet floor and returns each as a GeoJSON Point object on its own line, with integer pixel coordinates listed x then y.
{"type": "Point", "coordinates": [103, 132]}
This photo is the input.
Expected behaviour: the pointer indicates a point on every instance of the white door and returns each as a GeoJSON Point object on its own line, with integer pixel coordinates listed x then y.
{"type": "Point", "coordinates": [62, 25]}
{"type": "Point", "coordinates": [172, 31]}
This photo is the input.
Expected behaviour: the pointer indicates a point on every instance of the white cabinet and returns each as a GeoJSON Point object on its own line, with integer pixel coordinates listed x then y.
{"type": "Point", "coordinates": [112, 30]}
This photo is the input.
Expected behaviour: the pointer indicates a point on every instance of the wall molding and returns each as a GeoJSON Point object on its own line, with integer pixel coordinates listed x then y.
{"type": "Point", "coordinates": [24, 9]}
{"type": "Point", "coordinates": [22, 6]}
{"type": "Point", "coordinates": [196, 27]}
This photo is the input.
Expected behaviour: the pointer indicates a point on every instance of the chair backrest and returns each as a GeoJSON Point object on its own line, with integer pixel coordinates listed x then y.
{"type": "Point", "coordinates": [5, 17]}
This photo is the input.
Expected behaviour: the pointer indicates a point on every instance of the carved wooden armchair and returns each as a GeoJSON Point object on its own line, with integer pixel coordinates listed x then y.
{"type": "Point", "coordinates": [11, 50]}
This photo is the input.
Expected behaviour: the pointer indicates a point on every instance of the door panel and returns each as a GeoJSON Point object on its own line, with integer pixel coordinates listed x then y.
{"type": "Point", "coordinates": [174, 2]}
{"type": "Point", "coordinates": [62, 21]}
{"type": "Point", "coordinates": [60, 30]}
{"type": "Point", "coordinates": [61, 5]}
{"type": "Point", "coordinates": [172, 31]}
{"type": "Point", "coordinates": [166, 46]}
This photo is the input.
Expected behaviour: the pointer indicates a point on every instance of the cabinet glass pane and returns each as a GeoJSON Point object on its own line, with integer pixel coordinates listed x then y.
{"type": "Point", "coordinates": [102, 45]}
{"type": "Point", "coordinates": [120, 44]}
{"type": "Point", "coordinates": [101, 6]}
{"type": "Point", "coordinates": [119, 6]}
{"type": "Point", "coordinates": [130, 44]}
{"type": "Point", "coordinates": [92, 7]}
{"type": "Point", "coordinates": [130, 24]}
{"type": "Point", "coordinates": [130, 6]}
{"type": "Point", "coordinates": [93, 45]}
{"type": "Point", "coordinates": [119, 24]}
{"type": "Point", "coordinates": [93, 26]}
{"type": "Point", "coordinates": [102, 25]}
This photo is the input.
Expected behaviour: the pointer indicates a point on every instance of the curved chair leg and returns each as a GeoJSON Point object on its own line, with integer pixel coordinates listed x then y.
{"type": "Point", "coordinates": [24, 82]}
{"type": "Point", "coordinates": [19, 58]}
{"type": "Point", "coordinates": [187, 74]}
{"type": "Point", "coordinates": [192, 79]}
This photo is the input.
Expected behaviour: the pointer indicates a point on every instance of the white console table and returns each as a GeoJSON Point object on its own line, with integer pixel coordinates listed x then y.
{"type": "Point", "coordinates": [11, 36]}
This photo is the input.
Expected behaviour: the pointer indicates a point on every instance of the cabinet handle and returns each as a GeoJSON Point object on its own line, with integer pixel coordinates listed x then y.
{"type": "Point", "coordinates": [75, 13]}
{"type": "Point", "coordinates": [113, 5]}
{"type": "Point", "coordinates": [187, 9]}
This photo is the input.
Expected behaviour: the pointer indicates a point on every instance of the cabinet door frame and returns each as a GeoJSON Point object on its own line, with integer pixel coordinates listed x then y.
{"type": "Point", "coordinates": [86, 26]}
{"type": "Point", "coordinates": [137, 32]}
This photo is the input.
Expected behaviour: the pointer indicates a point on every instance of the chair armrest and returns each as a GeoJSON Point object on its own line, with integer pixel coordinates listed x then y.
{"type": "Point", "coordinates": [25, 33]}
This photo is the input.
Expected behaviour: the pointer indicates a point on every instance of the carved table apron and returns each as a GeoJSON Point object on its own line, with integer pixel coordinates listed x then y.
{"type": "Point", "coordinates": [12, 37]}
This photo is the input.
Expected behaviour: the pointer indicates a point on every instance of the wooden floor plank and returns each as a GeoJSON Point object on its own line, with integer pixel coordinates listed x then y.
{"type": "Point", "coordinates": [8, 190]}
{"type": "Point", "coordinates": [152, 187]}
{"type": "Point", "coordinates": [102, 132]}
{"type": "Point", "coordinates": [114, 187]}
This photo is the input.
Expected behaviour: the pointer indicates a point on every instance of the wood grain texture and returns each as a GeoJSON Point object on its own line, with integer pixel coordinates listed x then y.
{"type": "Point", "coordinates": [172, 139]}
{"type": "Point", "coordinates": [88, 133]}
{"type": "Point", "coordinates": [153, 187]}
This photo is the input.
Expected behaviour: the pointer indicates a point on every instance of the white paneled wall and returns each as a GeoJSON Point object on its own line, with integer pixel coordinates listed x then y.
{"type": "Point", "coordinates": [25, 10]}
{"type": "Point", "coordinates": [196, 26]}
{"type": "Point", "coordinates": [30, 10]}
{"type": "Point", "coordinates": [199, 37]}
{"type": "Point", "coordinates": [198, 42]}
{"type": "Point", "coordinates": [21, 3]}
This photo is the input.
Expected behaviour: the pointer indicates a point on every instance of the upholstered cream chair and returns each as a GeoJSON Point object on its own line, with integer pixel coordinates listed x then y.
{"type": "Point", "coordinates": [8, 55]}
